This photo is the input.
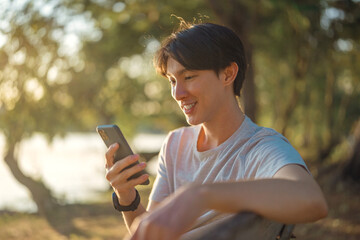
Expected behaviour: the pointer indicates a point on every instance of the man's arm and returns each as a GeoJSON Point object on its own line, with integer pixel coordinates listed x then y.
{"type": "Point", "coordinates": [291, 196]}
{"type": "Point", "coordinates": [130, 216]}
{"type": "Point", "coordinates": [118, 174]}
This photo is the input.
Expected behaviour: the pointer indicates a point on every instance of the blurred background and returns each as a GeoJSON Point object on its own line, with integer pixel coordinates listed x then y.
{"type": "Point", "coordinates": [67, 66]}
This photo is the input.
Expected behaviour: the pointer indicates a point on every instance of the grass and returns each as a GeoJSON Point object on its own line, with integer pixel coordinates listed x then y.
{"type": "Point", "coordinates": [92, 221]}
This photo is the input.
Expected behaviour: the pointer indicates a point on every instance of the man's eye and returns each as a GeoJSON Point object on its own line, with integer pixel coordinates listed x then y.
{"type": "Point", "coordinates": [189, 77]}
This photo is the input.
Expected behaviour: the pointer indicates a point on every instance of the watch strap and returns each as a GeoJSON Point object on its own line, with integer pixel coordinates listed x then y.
{"type": "Point", "coordinates": [132, 207]}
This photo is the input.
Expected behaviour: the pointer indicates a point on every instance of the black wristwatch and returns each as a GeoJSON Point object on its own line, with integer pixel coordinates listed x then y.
{"type": "Point", "coordinates": [132, 207]}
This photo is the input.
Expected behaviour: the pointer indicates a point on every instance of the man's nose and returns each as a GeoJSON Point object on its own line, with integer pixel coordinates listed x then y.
{"type": "Point", "coordinates": [178, 91]}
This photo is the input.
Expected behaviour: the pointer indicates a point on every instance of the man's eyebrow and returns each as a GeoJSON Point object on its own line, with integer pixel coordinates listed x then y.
{"type": "Point", "coordinates": [181, 71]}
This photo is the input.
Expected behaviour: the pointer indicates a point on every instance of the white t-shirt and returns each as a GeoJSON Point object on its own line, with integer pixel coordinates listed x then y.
{"type": "Point", "coordinates": [252, 152]}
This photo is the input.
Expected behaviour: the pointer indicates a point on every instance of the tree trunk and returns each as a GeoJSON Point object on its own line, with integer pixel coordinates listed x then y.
{"type": "Point", "coordinates": [300, 70]}
{"type": "Point", "coordinates": [290, 107]}
{"type": "Point", "coordinates": [249, 90]}
{"type": "Point", "coordinates": [352, 168]}
{"type": "Point", "coordinates": [58, 216]}
{"type": "Point", "coordinates": [332, 136]}
{"type": "Point", "coordinates": [39, 192]}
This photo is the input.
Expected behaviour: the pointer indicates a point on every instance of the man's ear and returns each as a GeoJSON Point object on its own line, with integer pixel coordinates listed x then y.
{"type": "Point", "coordinates": [230, 73]}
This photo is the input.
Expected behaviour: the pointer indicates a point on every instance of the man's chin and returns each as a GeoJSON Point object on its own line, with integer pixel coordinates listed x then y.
{"type": "Point", "coordinates": [191, 121]}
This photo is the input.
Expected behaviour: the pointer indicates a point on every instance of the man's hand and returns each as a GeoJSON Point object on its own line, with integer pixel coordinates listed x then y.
{"type": "Point", "coordinates": [117, 175]}
{"type": "Point", "coordinates": [172, 217]}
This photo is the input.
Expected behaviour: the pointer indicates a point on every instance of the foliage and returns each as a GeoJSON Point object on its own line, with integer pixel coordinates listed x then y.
{"type": "Point", "coordinates": [37, 64]}
{"type": "Point", "coordinates": [314, 76]}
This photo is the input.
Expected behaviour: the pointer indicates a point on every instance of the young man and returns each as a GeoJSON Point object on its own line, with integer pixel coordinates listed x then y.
{"type": "Point", "coordinates": [223, 163]}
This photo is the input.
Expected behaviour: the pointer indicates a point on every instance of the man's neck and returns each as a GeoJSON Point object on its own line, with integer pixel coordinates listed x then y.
{"type": "Point", "coordinates": [214, 133]}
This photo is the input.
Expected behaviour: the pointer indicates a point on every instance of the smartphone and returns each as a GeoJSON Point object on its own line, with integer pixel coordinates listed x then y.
{"type": "Point", "coordinates": [111, 134]}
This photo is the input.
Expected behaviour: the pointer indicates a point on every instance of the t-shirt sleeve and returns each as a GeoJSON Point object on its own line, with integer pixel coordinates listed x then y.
{"type": "Point", "coordinates": [274, 153]}
{"type": "Point", "coordinates": [160, 188]}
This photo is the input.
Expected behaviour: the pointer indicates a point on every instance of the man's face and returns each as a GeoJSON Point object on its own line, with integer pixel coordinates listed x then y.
{"type": "Point", "coordinates": [199, 93]}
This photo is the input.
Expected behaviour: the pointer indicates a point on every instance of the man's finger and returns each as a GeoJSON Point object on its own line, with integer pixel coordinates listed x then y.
{"type": "Point", "coordinates": [119, 166]}
{"type": "Point", "coordinates": [109, 156]}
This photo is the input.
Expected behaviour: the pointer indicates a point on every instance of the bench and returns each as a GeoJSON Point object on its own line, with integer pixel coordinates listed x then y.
{"type": "Point", "coordinates": [248, 226]}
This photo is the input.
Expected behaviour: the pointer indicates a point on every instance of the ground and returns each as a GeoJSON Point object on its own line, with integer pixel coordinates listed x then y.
{"type": "Point", "coordinates": [343, 221]}
{"type": "Point", "coordinates": [97, 221]}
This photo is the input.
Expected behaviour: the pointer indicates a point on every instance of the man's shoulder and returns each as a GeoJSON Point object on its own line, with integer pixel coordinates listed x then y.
{"type": "Point", "coordinates": [265, 138]}
{"type": "Point", "coordinates": [264, 133]}
{"type": "Point", "coordinates": [256, 133]}
{"type": "Point", "coordinates": [182, 135]}
{"type": "Point", "coordinates": [269, 142]}
{"type": "Point", "coordinates": [184, 131]}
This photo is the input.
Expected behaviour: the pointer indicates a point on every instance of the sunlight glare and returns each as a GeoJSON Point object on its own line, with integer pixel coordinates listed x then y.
{"type": "Point", "coordinates": [34, 89]}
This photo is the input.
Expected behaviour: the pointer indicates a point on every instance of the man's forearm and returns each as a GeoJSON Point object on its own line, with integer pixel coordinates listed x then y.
{"type": "Point", "coordinates": [281, 200]}
{"type": "Point", "coordinates": [130, 216]}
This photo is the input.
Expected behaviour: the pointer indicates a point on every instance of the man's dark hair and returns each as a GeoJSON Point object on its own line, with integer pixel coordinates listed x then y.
{"type": "Point", "coordinates": [204, 46]}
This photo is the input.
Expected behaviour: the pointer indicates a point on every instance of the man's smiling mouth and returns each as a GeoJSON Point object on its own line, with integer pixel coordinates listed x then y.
{"type": "Point", "coordinates": [188, 107]}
